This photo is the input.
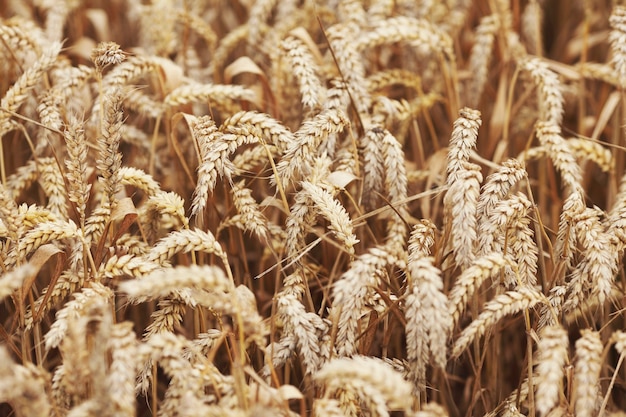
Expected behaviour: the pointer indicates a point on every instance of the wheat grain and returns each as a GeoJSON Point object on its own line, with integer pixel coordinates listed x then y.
{"type": "Point", "coordinates": [271, 130]}
{"type": "Point", "coordinates": [522, 246]}
{"type": "Point", "coordinates": [278, 353]}
{"type": "Point", "coordinates": [139, 179]}
{"type": "Point", "coordinates": [184, 241]}
{"type": "Point", "coordinates": [22, 36]}
{"type": "Point", "coordinates": [599, 253]}
{"type": "Point", "coordinates": [10, 214]}
{"type": "Point", "coordinates": [105, 54]}
{"type": "Point", "coordinates": [549, 135]}
{"type": "Point", "coordinates": [33, 215]}
{"type": "Point", "coordinates": [216, 94]}
{"type": "Point", "coordinates": [394, 170]}
{"type": "Point", "coordinates": [373, 169]}
{"type": "Point", "coordinates": [52, 181]}
{"type": "Point", "coordinates": [422, 238]}
{"type": "Point", "coordinates": [385, 79]}
{"type": "Point", "coordinates": [109, 158]}
{"type": "Point", "coordinates": [163, 210]}
{"type": "Point", "coordinates": [585, 149]}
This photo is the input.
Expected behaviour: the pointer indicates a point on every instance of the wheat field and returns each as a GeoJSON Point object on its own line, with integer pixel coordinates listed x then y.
{"type": "Point", "coordinates": [312, 208]}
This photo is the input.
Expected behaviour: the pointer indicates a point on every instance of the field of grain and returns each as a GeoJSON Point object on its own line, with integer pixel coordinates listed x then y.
{"type": "Point", "coordinates": [312, 208]}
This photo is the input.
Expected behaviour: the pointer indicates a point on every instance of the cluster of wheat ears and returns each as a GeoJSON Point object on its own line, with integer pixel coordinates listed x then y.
{"type": "Point", "coordinates": [314, 208]}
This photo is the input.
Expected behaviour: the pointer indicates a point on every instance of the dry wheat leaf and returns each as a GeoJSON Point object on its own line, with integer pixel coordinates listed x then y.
{"type": "Point", "coordinates": [607, 112]}
{"type": "Point", "coordinates": [172, 73]}
{"type": "Point", "coordinates": [245, 65]}
{"type": "Point", "coordinates": [242, 65]}
{"type": "Point", "coordinates": [38, 260]}
{"type": "Point", "coordinates": [289, 392]}
{"type": "Point", "coordinates": [82, 48]}
{"type": "Point", "coordinates": [125, 211]}
{"type": "Point", "coordinates": [341, 178]}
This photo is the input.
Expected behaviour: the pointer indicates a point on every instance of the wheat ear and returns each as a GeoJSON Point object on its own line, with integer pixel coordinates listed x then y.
{"type": "Point", "coordinates": [350, 294]}
{"type": "Point", "coordinates": [109, 158]}
{"type": "Point", "coordinates": [373, 170]}
{"type": "Point", "coordinates": [462, 141]}
{"type": "Point", "coordinates": [472, 278]}
{"type": "Point", "coordinates": [77, 167]}
{"type": "Point", "coordinates": [587, 370]}
{"type": "Point", "coordinates": [462, 200]}
{"type": "Point", "coordinates": [549, 89]}
{"type": "Point", "coordinates": [480, 57]}
{"type": "Point", "coordinates": [496, 188]}
{"type": "Point", "coordinates": [161, 283]}
{"type": "Point", "coordinates": [23, 387]}
{"type": "Point", "coordinates": [122, 372]}
{"type": "Point", "coordinates": [305, 70]}
{"type": "Point", "coordinates": [408, 29]}
{"type": "Point", "coordinates": [341, 38]}
{"type": "Point", "coordinates": [532, 19]}
{"type": "Point", "coordinates": [339, 219]}
{"type": "Point", "coordinates": [429, 322]}
{"type": "Point", "coordinates": [18, 92]}
{"type": "Point", "coordinates": [14, 279]}
{"type": "Point", "coordinates": [367, 377]}
{"type": "Point", "coordinates": [502, 305]}
{"type": "Point", "coordinates": [307, 329]}
{"type": "Point", "coordinates": [74, 309]}
{"type": "Point", "coordinates": [617, 37]}
{"type": "Point", "coordinates": [552, 357]}
{"type": "Point", "coordinates": [297, 160]}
